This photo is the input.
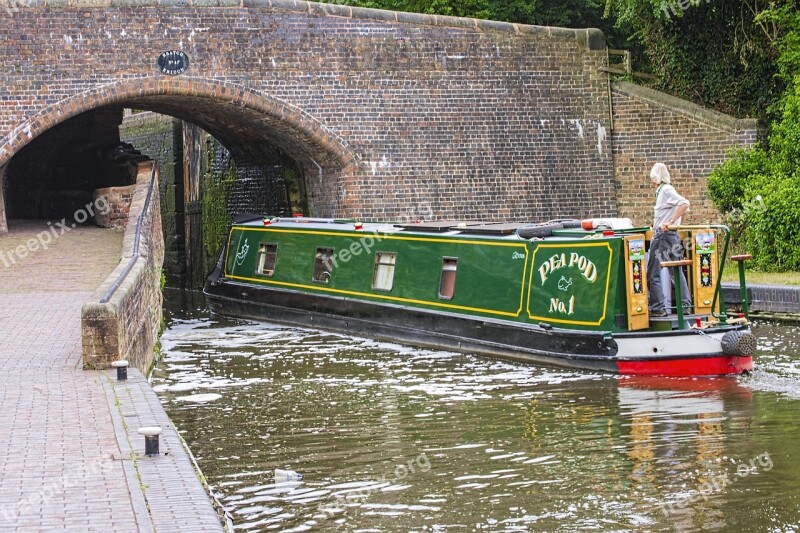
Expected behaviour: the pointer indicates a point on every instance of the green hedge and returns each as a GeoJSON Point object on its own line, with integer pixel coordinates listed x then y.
{"type": "Point", "coordinates": [759, 191]}
{"type": "Point", "coordinates": [759, 188]}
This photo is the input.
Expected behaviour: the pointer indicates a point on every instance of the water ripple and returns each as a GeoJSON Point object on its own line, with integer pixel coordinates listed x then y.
{"type": "Point", "coordinates": [390, 438]}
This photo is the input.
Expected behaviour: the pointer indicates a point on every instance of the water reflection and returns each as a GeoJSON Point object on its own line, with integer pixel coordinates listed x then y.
{"type": "Point", "coordinates": [390, 438]}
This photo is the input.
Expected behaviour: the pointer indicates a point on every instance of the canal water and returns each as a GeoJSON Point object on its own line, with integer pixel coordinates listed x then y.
{"type": "Point", "coordinates": [392, 438]}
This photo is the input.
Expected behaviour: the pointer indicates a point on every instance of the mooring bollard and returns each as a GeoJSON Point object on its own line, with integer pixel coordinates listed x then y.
{"type": "Point", "coordinates": [122, 369]}
{"type": "Point", "coordinates": [151, 434]}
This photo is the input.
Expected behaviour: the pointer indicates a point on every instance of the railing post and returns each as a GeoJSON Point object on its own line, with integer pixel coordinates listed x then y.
{"type": "Point", "coordinates": [722, 316]}
{"type": "Point", "coordinates": [740, 259]}
{"type": "Point", "coordinates": [675, 268]}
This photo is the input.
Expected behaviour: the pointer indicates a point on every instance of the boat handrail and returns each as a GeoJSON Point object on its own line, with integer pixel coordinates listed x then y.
{"type": "Point", "coordinates": [137, 237]}
{"type": "Point", "coordinates": [722, 316]}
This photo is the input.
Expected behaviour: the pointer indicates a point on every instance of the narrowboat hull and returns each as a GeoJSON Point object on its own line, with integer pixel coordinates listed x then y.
{"type": "Point", "coordinates": [669, 353]}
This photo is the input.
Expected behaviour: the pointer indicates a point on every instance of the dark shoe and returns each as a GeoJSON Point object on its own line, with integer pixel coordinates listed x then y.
{"type": "Point", "coordinates": [658, 313]}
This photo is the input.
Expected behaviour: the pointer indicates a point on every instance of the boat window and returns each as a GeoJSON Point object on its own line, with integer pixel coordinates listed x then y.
{"type": "Point", "coordinates": [267, 252]}
{"type": "Point", "coordinates": [323, 265]}
{"type": "Point", "coordinates": [383, 275]}
{"type": "Point", "coordinates": [447, 285]}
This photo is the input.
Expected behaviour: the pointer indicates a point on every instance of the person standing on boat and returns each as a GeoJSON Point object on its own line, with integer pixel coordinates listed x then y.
{"type": "Point", "coordinates": [666, 244]}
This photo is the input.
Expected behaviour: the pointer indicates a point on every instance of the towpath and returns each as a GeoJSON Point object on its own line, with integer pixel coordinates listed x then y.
{"type": "Point", "coordinates": [71, 458]}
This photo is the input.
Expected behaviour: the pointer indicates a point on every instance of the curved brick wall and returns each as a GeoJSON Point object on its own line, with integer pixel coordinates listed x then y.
{"type": "Point", "coordinates": [127, 326]}
{"type": "Point", "coordinates": [389, 114]}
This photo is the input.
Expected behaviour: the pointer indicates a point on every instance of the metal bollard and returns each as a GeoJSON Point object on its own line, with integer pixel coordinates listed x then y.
{"type": "Point", "coordinates": [122, 369]}
{"type": "Point", "coordinates": [151, 434]}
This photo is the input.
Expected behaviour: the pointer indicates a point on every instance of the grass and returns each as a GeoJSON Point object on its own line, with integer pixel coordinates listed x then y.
{"type": "Point", "coordinates": [731, 273]}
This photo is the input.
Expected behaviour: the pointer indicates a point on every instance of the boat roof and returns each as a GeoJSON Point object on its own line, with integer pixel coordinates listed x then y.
{"type": "Point", "coordinates": [455, 228]}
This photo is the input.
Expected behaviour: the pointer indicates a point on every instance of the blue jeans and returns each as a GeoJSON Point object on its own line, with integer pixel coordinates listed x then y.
{"type": "Point", "coordinates": [665, 246]}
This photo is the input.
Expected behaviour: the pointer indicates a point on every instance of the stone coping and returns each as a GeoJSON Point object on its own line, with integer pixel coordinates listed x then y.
{"type": "Point", "coordinates": [699, 113]}
{"type": "Point", "coordinates": [765, 298]}
{"type": "Point", "coordinates": [590, 38]}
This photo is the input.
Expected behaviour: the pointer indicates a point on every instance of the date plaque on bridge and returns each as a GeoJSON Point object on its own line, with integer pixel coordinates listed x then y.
{"type": "Point", "coordinates": [173, 62]}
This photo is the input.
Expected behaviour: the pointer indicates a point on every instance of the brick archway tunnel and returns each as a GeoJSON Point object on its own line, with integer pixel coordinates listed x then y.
{"type": "Point", "coordinates": [246, 122]}
{"type": "Point", "coordinates": [44, 180]}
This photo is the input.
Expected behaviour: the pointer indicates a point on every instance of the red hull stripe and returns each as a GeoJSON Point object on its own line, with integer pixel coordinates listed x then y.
{"type": "Point", "coordinates": [707, 366]}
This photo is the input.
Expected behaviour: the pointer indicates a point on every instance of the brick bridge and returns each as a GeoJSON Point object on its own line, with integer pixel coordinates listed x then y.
{"type": "Point", "coordinates": [384, 112]}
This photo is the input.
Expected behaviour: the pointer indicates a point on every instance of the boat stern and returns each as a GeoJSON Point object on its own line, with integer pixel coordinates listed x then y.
{"type": "Point", "coordinates": [689, 366]}
{"type": "Point", "coordinates": [727, 351]}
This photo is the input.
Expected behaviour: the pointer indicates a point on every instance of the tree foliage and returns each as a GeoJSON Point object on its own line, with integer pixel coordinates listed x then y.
{"type": "Point", "coordinates": [770, 227]}
{"type": "Point", "coordinates": [717, 53]}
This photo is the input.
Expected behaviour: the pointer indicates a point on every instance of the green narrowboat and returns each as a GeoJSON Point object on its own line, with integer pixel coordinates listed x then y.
{"type": "Point", "coordinates": [552, 293]}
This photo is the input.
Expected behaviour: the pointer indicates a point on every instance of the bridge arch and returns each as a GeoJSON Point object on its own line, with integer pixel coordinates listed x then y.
{"type": "Point", "coordinates": [183, 98]}
{"type": "Point", "coordinates": [245, 121]}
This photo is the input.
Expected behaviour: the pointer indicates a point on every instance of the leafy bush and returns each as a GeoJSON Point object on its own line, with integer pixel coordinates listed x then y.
{"type": "Point", "coordinates": [732, 184]}
{"type": "Point", "coordinates": [773, 233]}
{"type": "Point", "coordinates": [759, 190]}
{"type": "Point", "coordinates": [770, 227]}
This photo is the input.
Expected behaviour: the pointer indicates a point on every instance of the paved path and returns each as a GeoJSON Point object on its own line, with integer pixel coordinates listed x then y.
{"type": "Point", "coordinates": [70, 458]}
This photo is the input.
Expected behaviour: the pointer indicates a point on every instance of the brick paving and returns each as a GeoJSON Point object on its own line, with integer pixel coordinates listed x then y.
{"type": "Point", "coordinates": [67, 435]}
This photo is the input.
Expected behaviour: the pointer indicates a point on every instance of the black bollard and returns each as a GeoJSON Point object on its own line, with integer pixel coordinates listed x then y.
{"type": "Point", "coordinates": [150, 439]}
{"type": "Point", "coordinates": [122, 369]}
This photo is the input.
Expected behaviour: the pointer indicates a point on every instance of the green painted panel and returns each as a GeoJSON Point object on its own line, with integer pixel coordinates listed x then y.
{"type": "Point", "coordinates": [574, 283]}
{"type": "Point", "coordinates": [567, 283]}
{"type": "Point", "coordinates": [490, 273]}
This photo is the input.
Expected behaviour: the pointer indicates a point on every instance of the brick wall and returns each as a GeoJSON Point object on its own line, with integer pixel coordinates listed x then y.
{"type": "Point", "coordinates": [127, 325]}
{"type": "Point", "coordinates": [116, 203]}
{"type": "Point", "coordinates": [650, 126]}
{"type": "Point", "coordinates": [385, 113]}
{"type": "Point", "coordinates": [160, 138]}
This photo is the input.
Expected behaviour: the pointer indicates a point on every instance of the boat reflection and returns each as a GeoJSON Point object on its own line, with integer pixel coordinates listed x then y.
{"type": "Point", "coordinates": [661, 448]}
{"type": "Point", "coordinates": [677, 446]}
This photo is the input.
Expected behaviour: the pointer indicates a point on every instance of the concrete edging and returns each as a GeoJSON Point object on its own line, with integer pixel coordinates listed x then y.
{"type": "Point", "coordinates": [765, 298]}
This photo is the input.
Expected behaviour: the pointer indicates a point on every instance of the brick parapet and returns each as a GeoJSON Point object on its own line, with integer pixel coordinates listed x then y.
{"type": "Point", "coordinates": [587, 37]}
{"type": "Point", "coordinates": [689, 110]}
{"type": "Point", "coordinates": [127, 325]}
